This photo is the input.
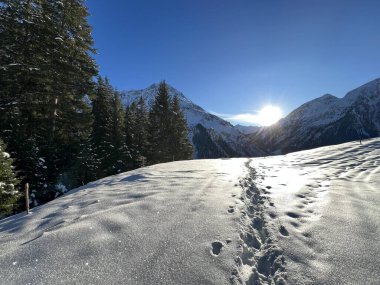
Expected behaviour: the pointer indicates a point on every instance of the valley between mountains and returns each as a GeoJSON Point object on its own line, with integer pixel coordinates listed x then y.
{"type": "Point", "coordinates": [326, 120]}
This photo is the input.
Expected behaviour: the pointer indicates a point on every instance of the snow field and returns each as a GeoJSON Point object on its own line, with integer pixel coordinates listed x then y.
{"type": "Point", "coordinates": [310, 217]}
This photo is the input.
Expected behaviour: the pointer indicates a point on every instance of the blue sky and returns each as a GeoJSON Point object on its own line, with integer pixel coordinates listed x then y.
{"type": "Point", "coordinates": [234, 57]}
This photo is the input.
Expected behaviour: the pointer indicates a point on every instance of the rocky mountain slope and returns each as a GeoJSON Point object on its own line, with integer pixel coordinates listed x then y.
{"type": "Point", "coordinates": [247, 129]}
{"type": "Point", "coordinates": [211, 136]}
{"type": "Point", "coordinates": [324, 121]}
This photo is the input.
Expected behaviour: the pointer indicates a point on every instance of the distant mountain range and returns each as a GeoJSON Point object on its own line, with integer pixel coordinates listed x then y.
{"type": "Point", "coordinates": [323, 121]}
{"type": "Point", "coordinates": [211, 136]}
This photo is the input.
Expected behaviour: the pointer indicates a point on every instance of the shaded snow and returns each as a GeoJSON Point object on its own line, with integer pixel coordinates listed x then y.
{"type": "Point", "coordinates": [156, 225]}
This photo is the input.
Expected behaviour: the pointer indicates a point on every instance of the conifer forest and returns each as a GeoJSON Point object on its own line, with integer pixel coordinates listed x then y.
{"type": "Point", "coordinates": [62, 125]}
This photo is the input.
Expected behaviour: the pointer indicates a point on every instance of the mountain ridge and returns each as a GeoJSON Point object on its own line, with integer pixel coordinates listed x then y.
{"type": "Point", "coordinates": [325, 120]}
{"type": "Point", "coordinates": [210, 135]}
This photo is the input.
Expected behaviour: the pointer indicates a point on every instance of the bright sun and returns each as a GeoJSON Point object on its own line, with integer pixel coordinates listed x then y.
{"type": "Point", "coordinates": [269, 115]}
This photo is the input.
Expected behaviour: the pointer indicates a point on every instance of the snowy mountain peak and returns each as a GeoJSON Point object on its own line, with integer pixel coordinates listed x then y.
{"type": "Point", "coordinates": [219, 138]}
{"type": "Point", "coordinates": [327, 120]}
{"type": "Point", "coordinates": [149, 94]}
{"type": "Point", "coordinates": [371, 90]}
{"type": "Point", "coordinates": [327, 97]}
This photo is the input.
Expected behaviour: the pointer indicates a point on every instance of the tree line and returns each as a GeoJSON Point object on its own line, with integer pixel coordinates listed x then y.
{"type": "Point", "coordinates": [61, 127]}
{"type": "Point", "coordinates": [128, 138]}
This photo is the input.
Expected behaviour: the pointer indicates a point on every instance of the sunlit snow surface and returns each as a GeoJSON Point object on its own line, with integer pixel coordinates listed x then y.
{"type": "Point", "coordinates": [186, 222]}
{"type": "Point", "coordinates": [329, 201]}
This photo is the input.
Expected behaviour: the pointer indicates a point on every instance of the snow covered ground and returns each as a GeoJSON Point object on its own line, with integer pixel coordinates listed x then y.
{"type": "Point", "coordinates": [310, 217]}
{"type": "Point", "coordinates": [156, 225]}
{"type": "Point", "coordinates": [327, 202]}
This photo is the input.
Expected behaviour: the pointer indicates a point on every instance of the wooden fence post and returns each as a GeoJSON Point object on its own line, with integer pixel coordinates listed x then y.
{"type": "Point", "coordinates": [27, 197]}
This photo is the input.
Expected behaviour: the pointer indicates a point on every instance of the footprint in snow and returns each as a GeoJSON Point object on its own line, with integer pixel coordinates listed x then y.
{"type": "Point", "coordinates": [306, 234]}
{"type": "Point", "coordinates": [293, 215]}
{"type": "Point", "coordinates": [272, 215]}
{"type": "Point", "coordinates": [93, 202]}
{"type": "Point", "coordinates": [295, 224]}
{"type": "Point", "coordinates": [284, 231]}
{"type": "Point", "coordinates": [216, 247]}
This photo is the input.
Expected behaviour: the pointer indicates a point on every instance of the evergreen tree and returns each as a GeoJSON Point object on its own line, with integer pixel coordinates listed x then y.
{"type": "Point", "coordinates": [46, 71]}
{"type": "Point", "coordinates": [141, 137]}
{"type": "Point", "coordinates": [118, 156]}
{"type": "Point", "coordinates": [181, 147]}
{"type": "Point", "coordinates": [85, 167]}
{"type": "Point", "coordinates": [160, 119]}
{"type": "Point", "coordinates": [130, 135]}
{"type": "Point", "coordinates": [101, 139]}
{"type": "Point", "coordinates": [136, 124]}
{"type": "Point", "coordinates": [8, 183]}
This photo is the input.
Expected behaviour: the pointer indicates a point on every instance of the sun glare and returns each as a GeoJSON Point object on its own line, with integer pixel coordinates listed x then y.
{"type": "Point", "coordinates": [269, 115]}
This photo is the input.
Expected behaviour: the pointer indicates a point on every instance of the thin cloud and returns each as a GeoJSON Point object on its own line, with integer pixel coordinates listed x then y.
{"type": "Point", "coordinates": [265, 117]}
{"type": "Point", "coordinates": [243, 118]}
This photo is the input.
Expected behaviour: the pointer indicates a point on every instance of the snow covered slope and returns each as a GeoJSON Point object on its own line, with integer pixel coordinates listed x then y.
{"type": "Point", "coordinates": [214, 137]}
{"type": "Point", "coordinates": [326, 120]}
{"type": "Point", "coordinates": [163, 224]}
{"type": "Point", "coordinates": [309, 217]}
{"type": "Point", "coordinates": [326, 205]}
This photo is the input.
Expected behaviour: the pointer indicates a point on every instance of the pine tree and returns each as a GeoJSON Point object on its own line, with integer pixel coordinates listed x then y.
{"type": "Point", "coordinates": [181, 147]}
{"type": "Point", "coordinates": [118, 156]}
{"type": "Point", "coordinates": [159, 127]}
{"type": "Point", "coordinates": [101, 130]}
{"type": "Point", "coordinates": [85, 167]}
{"type": "Point", "coordinates": [8, 183]}
{"type": "Point", "coordinates": [130, 135]}
{"type": "Point", "coordinates": [141, 131]}
{"type": "Point", "coordinates": [136, 124]}
{"type": "Point", "coordinates": [37, 175]}
{"type": "Point", "coordinates": [46, 72]}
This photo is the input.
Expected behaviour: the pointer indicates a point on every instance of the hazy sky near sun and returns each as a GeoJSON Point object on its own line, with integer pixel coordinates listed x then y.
{"type": "Point", "coordinates": [235, 57]}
